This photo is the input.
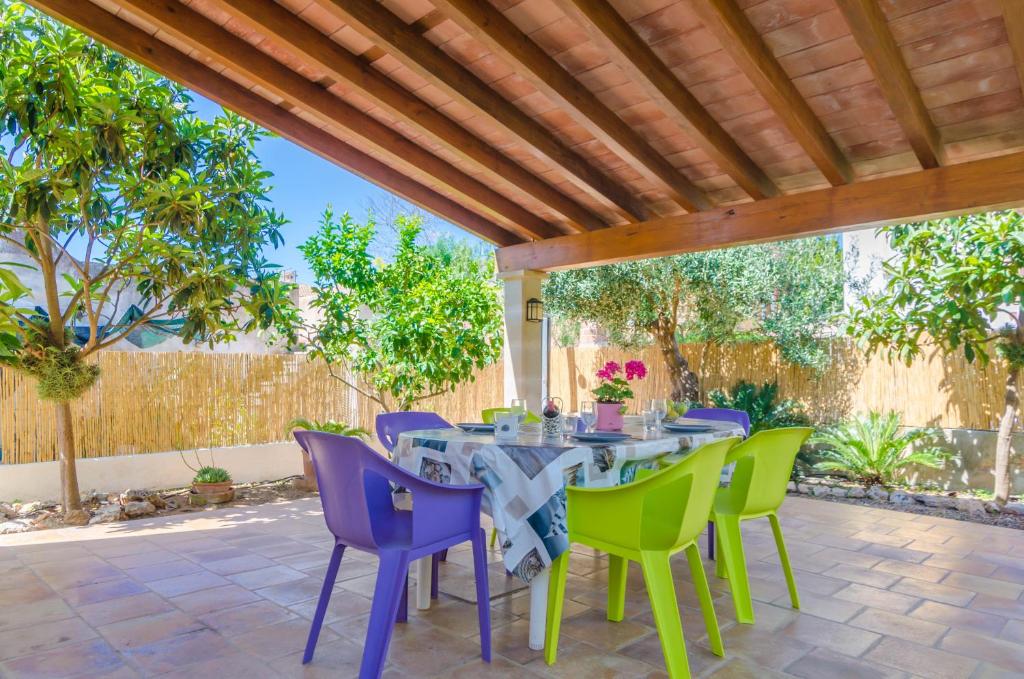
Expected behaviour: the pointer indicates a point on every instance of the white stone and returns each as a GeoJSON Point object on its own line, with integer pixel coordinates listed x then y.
{"type": "Point", "coordinates": [48, 520]}
{"type": "Point", "coordinates": [7, 511]}
{"type": "Point", "coordinates": [971, 505]}
{"type": "Point", "coordinates": [819, 491]}
{"type": "Point", "coordinates": [856, 492]}
{"type": "Point", "coordinates": [107, 514]}
{"type": "Point", "coordinates": [1016, 508]}
{"type": "Point", "coordinates": [940, 501]}
{"type": "Point", "coordinates": [838, 491]}
{"type": "Point", "coordinates": [803, 488]}
{"type": "Point", "coordinates": [134, 495]}
{"type": "Point", "coordinates": [878, 493]}
{"type": "Point", "coordinates": [791, 486]}
{"type": "Point", "coordinates": [900, 497]}
{"type": "Point", "coordinates": [133, 509]}
{"type": "Point", "coordinates": [17, 526]}
{"type": "Point", "coordinates": [29, 508]}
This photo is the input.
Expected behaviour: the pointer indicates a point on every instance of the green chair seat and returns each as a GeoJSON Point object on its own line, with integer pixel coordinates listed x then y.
{"type": "Point", "coordinates": [487, 415]}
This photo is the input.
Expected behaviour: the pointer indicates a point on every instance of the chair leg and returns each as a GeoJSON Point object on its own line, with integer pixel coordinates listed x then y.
{"type": "Point", "coordinates": [618, 567]}
{"type": "Point", "coordinates": [711, 540]}
{"type": "Point", "coordinates": [321, 604]}
{"type": "Point", "coordinates": [435, 567]}
{"type": "Point", "coordinates": [442, 555]}
{"type": "Point", "coordinates": [721, 567]}
{"type": "Point", "coordinates": [707, 607]}
{"type": "Point", "coordinates": [662, 593]}
{"type": "Point", "coordinates": [556, 597]}
{"type": "Point", "coordinates": [393, 569]}
{"type": "Point", "coordinates": [787, 569]}
{"type": "Point", "coordinates": [483, 597]}
{"type": "Point", "coordinates": [731, 543]}
{"type": "Point", "coordinates": [403, 603]}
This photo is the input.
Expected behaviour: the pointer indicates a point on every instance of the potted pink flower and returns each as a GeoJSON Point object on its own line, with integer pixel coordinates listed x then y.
{"type": "Point", "coordinates": [614, 389]}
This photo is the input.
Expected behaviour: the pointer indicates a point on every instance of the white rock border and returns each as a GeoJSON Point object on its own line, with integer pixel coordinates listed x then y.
{"type": "Point", "coordinates": [825, 486]}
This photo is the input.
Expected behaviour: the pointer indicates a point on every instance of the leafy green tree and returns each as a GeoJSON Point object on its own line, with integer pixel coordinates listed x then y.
{"type": "Point", "coordinates": [112, 188]}
{"type": "Point", "coordinates": [402, 330]}
{"type": "Point", "coordinates": [870, 448]}
{"type": "Point", "coordinates": [782, 292]}
{"type": "Point", "coordinates": [762, 404]}
{"type": "Point", "coordinates": [956, 284]}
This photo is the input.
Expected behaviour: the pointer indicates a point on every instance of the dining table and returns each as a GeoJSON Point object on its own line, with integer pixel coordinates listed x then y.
{"type": "Point", "coordinates": [524, 481]}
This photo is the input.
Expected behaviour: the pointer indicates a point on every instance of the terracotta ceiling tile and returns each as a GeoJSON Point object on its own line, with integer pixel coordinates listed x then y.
{"type": "Point", "coordinates": [559, 35]}
{"type": "Point", "coordinates": [962, 90]}
{"type": "Point", "coordinates": [950, 17]}
{"type": "Point", "coordinates": [325, 22]}
{"type": "Point", "coordinates": [685, 46]}
{"type": "Point", "coordinates": [948, 45]}
{"type": "Point", "coordinates": [211, 11]}
{"type": "Point", "coordinates": [832, 79]}
{"type": "Point", "coordinates": [896, 8]}
{"type": "Point", "coordinates": [962, 111]}
{"type": "Point", "coordinates": [532, 15]}
{"type": "Point", "coordinates": [966, 66]}
{"type": "Point", "coordinates": [665, 23]}
{"type": "Point", "coordinates": [582, 57]}
{"type": "Point", "coordinates": [635, 9]}
{"type": "Point", "coordinates": [807, 33]}
{"type": "Point", "coordinates": [776, 14]}
{"type": "Point", "coordinates": [513, 86]}
{"type": "Point", "coordinates": [737, 106]}
{"type": "Point", "coordinates": [603, 77]}
{"type": "Point", "coordinates": [820, 57]}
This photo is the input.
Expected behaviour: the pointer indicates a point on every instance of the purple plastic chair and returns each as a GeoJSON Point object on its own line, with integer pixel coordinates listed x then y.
{"type": "Point", "coordinates": [389, 426]}
{"type": "Point", "coordinates": [355, 490]}
{"type": "Point", "coordinates": [722, 415]}
{"type": "Point", "coordinates": [719, 415]}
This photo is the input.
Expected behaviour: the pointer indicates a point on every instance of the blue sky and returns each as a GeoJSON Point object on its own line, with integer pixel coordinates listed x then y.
{"type": "Point", "coordinates": [304, 184]}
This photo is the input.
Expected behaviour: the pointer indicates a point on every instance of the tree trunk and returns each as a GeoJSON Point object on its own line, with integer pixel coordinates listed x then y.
{"type": "Point", "coordinates": [70, 497]}
{"type": "Point", "coordinates": [684, 381]}
{"type": "Point", "coordinates": [1011, 402]}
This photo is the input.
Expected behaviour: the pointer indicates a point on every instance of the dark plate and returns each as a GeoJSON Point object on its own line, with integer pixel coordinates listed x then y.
{"type": "Point", "coordinates": [476, 427]}
{"type": "Point", "coordinates": [600, 437]}
{"type": "Point", "coordinates": [687, 428]}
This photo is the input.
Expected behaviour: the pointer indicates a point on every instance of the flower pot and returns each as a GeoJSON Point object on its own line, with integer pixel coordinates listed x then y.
{"type": "Point", "coordinates": [308, 479]}
{"type": "Point", "coordinates": [609, 417]}
{"type": "Point", "coordinates": [211, 493]}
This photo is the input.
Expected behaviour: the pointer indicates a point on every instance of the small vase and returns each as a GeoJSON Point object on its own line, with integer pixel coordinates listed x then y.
{"type": "Point", "coordinates": [609, 417]}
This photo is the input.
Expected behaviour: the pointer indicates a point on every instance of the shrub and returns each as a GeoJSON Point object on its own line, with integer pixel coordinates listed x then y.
{"type": "Point", "coordinates": [870, 448]}
{"type": "Point", "coordinates": [328, 426]}
{"type": "Point", "coordinates": [212, 475]}
{"type": "Point", "coordinates": [762, 404]}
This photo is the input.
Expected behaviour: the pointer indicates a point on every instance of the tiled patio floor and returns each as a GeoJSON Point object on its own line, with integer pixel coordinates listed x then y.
{"type": "Point", "coordinates": [229, 594]}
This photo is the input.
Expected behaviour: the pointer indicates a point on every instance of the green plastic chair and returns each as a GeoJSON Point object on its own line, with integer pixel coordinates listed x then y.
{"type": "Point", "coordinates": [764, 463]}
{"type": "Point", "coordinates": [487, 415]}
{"type": "Point", "coordinates": [646, 521]}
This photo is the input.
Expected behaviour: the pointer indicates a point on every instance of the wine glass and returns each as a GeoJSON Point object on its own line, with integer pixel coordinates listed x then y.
{"type": "Point", "coordinates": [519, 408]}
{"type": "Point", "coordinates": [659, 407]}
{"type": "Point", "coordinates": [588, 413]}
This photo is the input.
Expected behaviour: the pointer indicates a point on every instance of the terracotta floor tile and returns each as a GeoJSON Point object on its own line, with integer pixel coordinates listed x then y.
{"type": "Point", "coordinates": [830, 635]}
{"type": "Point", "coordinates": [240, 564]}
{"type": "Point", "coordinates": [907, 569]}
{"type": "Point", "coordinates": [593, 627]}
{"type": "Point", "coordinates": [164, 570]}
{"type": "Point", "coordinates": [178, 652]}
{"type": "Point", "coordinates": [941, 592]}
{"type": "Point", "coordinates": [137, 632]}
{"type": "Point", "coordinates": [281, 639]}
{"type": "Point", "coordinates": [862, 576]}
{"type": "Point", "coordinates": [583, 660]}
{"type": "Point", "coordinates": [264, 577]}
{"type": "Point", "coordinates": [43, 636]}
{"type": "Point", "coordinates": [124, 608]}
{"type": "Point", "coordinates": [821, 663]}
{"type": "Point", "coordinates": [245, 618]}
{"type": "Point", "coordinates": [1004, 654]}
{"type": "Point", "coordinates": [343, 605]}
{"type": "Point", "coordinates": [990, 586]}
{"type": "Point", "coordinates": [921, 660]}
{"type": "Point", "coordinates": [334, 659]}
{"type": "Point", "coordinates": [882, 599]}
{"type": "Point", "coordinates": [901, 626]}
{"type": "Point", "coordinates": [184, 584]}
{"type": "Point", "coordinates": [85, 658]}
{"type": "Point", "coordinates": [960, 618]}
{"type": "Point", "coordinates": [830, 608]}
{"type": "Point", "coordinates": [214, 599]}
{"type": "Point", "coordinates": [768, 649]}
{"type": "Point", "coordinates": [34, 613]}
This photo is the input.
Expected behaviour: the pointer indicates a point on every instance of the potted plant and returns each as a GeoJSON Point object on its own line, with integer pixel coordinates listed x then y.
{"type": "Point", "coordinates": [614, 389]}
{"type": "Point", "coordinates": [308, 480]}
{"type": "Point", "coordinates": [213, 485]}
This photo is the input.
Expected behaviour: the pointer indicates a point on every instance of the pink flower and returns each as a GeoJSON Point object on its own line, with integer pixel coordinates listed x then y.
{"type": "Point", "coordinates": [635, 369]}
{"type": "Point", "coordinates": [609, 370]}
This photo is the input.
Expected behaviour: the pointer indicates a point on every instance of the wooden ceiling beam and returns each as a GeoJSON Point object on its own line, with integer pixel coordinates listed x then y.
{"type": "Point", "coordinates": [314, 47]}
{"type": "Point", "coordinates": [741, 40]}
{"type": "Point", "coordinates": [989, 184]}
{"type": "Point", "coordinates": [374, 21]}
{"type": "Point", "coordinates": [613, 34]}
{"type": "Point", "coordinates": [211, 39]}
{"type": "Point", "coordinates": [173, 64]}
{"type": "Point", "coordinates": [871, 31]}
{"type": "Point", "coordinates": [488, 26]}
{"type": "Point", "coordinates": [1013, 17]}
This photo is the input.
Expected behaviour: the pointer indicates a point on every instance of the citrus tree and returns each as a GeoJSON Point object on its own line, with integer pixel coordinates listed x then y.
{"type": "Point", "coordinates": [785, 293]}
{"type": "Point", "coordinates": [111, 189]}
{"type": "Point", "coordinates": [407, 329]}
{"type": "Point", "coordinates": [956, 284]}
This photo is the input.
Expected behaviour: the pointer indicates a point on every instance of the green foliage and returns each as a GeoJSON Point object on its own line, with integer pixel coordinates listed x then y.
{"type": "Point", "coordinates": [104, 170]}
{"type": "Point", "coordinates": [762, 404]}
{"type": "Point", "coordinates": [410, 328]}
{"type": "Point", "coordinates": [870, 448]}
{"type": "Point", "coordinates": [329, 426]}
{"type": "Point", "coordinates": [212, 475]}
{"type": "Point", "coordinates": [781, 292]}
{"type": "Point", "coordinates": [957, 281]}
{"type": "Point", "coordinates": [61, 373]}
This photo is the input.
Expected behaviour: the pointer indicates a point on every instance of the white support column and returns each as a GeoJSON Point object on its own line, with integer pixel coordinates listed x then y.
{"type": "Point", "coordinates": [524, 345]}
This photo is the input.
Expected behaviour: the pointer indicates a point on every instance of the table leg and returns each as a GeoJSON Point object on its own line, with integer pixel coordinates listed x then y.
{"type": "Point", "coordinates": [711, 539]}
{"type": "Point", "coordinates": [423, 583]}
{"type": "Point", "coordinates": [539, 609]}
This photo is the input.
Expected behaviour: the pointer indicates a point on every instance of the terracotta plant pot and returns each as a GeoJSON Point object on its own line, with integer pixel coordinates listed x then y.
{"type": "Point", "coordinates": [609, 417]}
{"type": "Point", "coordinates": [211, 493]}
{"type": "Point", "coordinates": [212, 488]}
{"type": "Point", "coordinates": [308, 480]}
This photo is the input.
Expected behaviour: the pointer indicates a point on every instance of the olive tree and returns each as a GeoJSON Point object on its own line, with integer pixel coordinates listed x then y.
{"type": "Point", "coordinates": [956, 284]}
{"type": "Point", "coordinates": [112, 189]}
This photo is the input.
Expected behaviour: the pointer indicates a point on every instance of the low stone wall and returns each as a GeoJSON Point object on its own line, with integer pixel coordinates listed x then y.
{"type": "Point", "coordinates": [40, 480]}
{"type": "Point", "coordinates": [972, 463]}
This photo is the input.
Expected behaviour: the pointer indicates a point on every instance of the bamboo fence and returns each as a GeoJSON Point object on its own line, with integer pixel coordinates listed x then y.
{"type": "Point", "coordinates": [152, 402]}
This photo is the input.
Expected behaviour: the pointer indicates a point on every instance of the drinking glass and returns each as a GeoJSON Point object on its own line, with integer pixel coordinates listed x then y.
{"type": "Point", "coordinates": [659, 407]}
{"type": "Point", "coordinates": [569, 424]}
{"type": "Point", "coordinates": [519, 408]}
{"type": "Point", "coordinates": [650, 421]}
{"type": "Point", "coordinates": [588, 412]}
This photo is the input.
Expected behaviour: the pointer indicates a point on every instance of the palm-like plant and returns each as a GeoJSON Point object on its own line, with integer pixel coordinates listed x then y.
{"type": "Point", "coordinates": [328, 426]}
{"type": "Point", "coordinates": [762, 404]}
{"type": "Point", "coordinates": [870, 448]}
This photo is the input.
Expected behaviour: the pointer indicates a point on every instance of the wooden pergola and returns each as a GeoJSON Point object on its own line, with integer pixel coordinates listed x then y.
{"type": "Point", "coordinates": [576, 132]}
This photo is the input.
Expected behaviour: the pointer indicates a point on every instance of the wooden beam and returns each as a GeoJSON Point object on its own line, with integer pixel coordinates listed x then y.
{"type": "Point", "coordinates": [741, 40]}
{"type": "Point", "coordinates": [616, 38]}
{"type": "Point", "coordinates": [388, 31]}
{"type": "Point", "coordinates": [209, 38]}
{"type": "Point", "coordinates": [871, 31]}
{"type": "Point", "coordinates": [312, 46]}
{"type": "Point", "coordinates": [989, 184]}
{"type": "Point", "coordinates": [1013, 17]}
{"type": "Point", "coordinates": [488, 26]}
{"type": "Point", "coordinates": [162, 58]}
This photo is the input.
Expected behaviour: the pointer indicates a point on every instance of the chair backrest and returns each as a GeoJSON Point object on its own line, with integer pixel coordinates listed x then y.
{"type": "Point", "coordinates": [487, 415]}
{"type": "Point", "coordinates": [764, 463]}
{"type": "Point", "coordinates": [722, 415]}
{"type": "Point", "coordinates": [390, 425]}
{"type": "Point", "coordinates": [354, 488]}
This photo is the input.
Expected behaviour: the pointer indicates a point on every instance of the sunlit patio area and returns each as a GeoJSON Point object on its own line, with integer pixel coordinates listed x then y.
{"type": "Point", "coordinates": [230, 594]}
